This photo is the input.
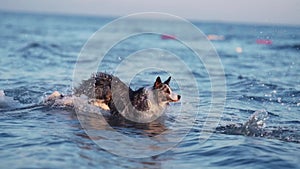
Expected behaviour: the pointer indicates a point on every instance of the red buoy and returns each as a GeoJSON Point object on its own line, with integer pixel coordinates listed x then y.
{"type": "Point", "coordinates": [165, 37]}
{"type": "Point", "coordinates": [264, 41]}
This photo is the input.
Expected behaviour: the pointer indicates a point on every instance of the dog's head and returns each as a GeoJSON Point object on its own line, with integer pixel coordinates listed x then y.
{"type": "Point", "coordinates": [163, 91]}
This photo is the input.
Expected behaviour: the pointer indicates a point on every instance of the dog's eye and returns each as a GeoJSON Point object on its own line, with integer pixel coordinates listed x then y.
{"type": "Point", "coordinates": [168, 91]}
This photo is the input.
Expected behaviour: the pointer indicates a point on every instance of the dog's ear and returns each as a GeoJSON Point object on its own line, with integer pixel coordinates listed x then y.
{"type": "Point", "coordinates": [168, 81]}
{"type": "Point", "coordinates": [157, 83]}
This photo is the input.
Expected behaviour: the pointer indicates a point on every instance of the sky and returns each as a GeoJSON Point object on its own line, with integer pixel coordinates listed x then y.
{"type": "Point", "coordinates": [243, 11]}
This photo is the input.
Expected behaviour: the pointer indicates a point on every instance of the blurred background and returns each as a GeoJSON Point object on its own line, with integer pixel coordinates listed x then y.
{"type": "Point", "coordinates": [257, 41]}
{"type": "Point", "coordinates": [255, 11]}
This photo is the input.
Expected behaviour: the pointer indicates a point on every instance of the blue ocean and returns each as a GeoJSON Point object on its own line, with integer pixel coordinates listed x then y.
{"type": "Point", "coordinates": [258, 125]}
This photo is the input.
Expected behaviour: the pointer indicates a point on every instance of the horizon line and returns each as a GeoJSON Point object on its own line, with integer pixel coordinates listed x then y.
{"type": "Point", "coordinates": [192, 20]}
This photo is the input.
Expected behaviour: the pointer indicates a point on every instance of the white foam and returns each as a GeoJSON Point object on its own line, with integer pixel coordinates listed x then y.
{"type": "Point", "coordinates": [7, 102]}
{"type": "Point", "coordinates": [2, 93]}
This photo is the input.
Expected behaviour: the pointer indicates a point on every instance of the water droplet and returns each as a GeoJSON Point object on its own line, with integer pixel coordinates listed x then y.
{"type": "Point", "coordinates": [268, 95]}
{"type": "Point", "coordinates": [279, 99]}
{"type": "Point", "coordinates": [239, 50]}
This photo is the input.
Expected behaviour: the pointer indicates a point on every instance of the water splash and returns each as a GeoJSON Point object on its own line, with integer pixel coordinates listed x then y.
{"type": "Point", "coordinates": [7, 102]}
{"type": "Point", "coordinates": [253, 127]}
{"type": "Point", "coordinates": [256, 123]}
{"type": "Point", "coordinates": [256, 126]}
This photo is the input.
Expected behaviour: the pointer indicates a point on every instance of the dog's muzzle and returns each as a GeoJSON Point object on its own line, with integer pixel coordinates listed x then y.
{"type": "Point", "coordinates": [175, 98]}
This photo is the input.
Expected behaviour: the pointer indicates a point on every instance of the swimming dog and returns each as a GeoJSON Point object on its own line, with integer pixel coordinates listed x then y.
{"type": "Point", "coordinates": [110, 93]}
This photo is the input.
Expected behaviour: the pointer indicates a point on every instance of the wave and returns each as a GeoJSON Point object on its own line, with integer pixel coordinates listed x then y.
{"type": "Point", "coordinates": [287, 47]}
{"type": "Point", "coordinates": [256, 126]}
{"type": "Point", "coordinates": [7, 102]}
{"type": "Point", "coordinates": [32, 48]}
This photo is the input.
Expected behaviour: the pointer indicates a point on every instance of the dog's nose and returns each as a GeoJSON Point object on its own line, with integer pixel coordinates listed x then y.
{"type": "Point", "coordinates": [178, 97]}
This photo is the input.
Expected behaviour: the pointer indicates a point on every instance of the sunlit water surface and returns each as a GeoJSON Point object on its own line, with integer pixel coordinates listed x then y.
{"type": "Point", "coordinates": [259, 128]}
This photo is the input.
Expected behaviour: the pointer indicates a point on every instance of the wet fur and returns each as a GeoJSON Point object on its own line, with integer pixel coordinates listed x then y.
{"type": "Point", "coordinates": [146, 101]}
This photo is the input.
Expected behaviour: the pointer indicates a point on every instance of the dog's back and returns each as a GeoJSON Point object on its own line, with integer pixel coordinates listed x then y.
{"type": "Point", "coordinates": [99, 87]}
{"type": "Point", "coordinates": [96, 87]}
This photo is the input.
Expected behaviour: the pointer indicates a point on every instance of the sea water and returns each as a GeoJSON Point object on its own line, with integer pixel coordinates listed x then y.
{"type": "Point", "coordinates": [259, 127]}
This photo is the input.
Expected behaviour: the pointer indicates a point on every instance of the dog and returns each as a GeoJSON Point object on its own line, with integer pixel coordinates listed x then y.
{"type": "Point", "coordinates": [110, 93]}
